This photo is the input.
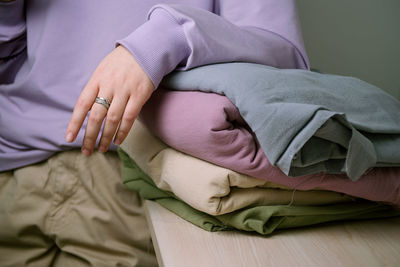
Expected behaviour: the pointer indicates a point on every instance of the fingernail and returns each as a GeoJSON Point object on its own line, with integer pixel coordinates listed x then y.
{"type": "Point", "coordinates": [102, 149]}
{"type": "Point", "coordinates": [117, 141]}
{"type": "Point", "coordinates": [85, 151]}
{"type": "Point", "coordinates": [69, 137]}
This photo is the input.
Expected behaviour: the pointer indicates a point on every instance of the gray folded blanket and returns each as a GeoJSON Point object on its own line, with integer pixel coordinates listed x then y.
{"type": "Point", "coordinates": [306, 122]}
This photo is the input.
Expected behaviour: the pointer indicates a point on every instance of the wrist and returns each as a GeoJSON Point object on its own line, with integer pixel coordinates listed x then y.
{"type": "Point", "coordinates": [159, 45]}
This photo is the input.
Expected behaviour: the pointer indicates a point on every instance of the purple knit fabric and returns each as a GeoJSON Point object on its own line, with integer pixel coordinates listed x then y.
{"type": "Point", "coordinates": [50, 48]}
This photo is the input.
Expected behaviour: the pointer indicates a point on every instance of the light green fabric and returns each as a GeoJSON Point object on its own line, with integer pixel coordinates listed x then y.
{"type": "Point", "coordinates": [306, 122]}
{"type": "Point", "coordinates": [263, 219]}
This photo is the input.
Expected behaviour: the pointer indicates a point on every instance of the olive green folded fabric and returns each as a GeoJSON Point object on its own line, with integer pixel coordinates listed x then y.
{"type": "Point", "coordinates": [261, 219]}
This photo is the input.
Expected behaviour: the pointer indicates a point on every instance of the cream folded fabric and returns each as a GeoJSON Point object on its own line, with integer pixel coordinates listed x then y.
{"type": "Point", "coordinates": [208, 187]}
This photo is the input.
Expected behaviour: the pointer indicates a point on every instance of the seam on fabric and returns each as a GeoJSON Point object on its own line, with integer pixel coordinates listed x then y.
{"type": "Point", "coordinates": [283, 38]}
{"type": "Point", "coordinates": [179, 21]}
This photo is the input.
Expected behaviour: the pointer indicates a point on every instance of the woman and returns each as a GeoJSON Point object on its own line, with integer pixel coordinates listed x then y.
{"type": "Point", "coordinates": [58, 205]}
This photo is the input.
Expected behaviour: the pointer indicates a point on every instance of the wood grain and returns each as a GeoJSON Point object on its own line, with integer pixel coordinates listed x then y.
{"type": "Point", "coordinates": [360, 243]}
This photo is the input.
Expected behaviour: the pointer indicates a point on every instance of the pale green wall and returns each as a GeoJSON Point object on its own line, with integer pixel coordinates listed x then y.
{"type": "Point", "coordinates": [359, 38]}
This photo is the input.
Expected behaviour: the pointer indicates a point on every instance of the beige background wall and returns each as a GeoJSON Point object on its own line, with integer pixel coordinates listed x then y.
{"type": "Point", "coordinates": [359, 38]}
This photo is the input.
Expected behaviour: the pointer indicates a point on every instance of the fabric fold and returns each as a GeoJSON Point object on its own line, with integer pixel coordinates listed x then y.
{"type": "Point", "coordinates": [218, 190]}
{"type": "Point", "coordinates": [261, 219]}
{"type": "Point", "coordinates": [286, 108]}
{"type": "Point", "coordinates": [208, 126]}
{"type": "Point", "coordinates": [210, 188]}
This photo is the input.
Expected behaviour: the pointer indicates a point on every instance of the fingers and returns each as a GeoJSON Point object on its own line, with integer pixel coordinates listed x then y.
{"type": "Point", "coordinates": [131, 112]}
{"type": "Point", "coordinates": [95, 120]}
{"type": "Point", "coordinates": [82, 107]}
{"type": "Point", "coordinates": [120, 79]}
{"type": "Point", "coordinates": [119, 118]}
{"type": "Point", "coordinates": [113, 119]}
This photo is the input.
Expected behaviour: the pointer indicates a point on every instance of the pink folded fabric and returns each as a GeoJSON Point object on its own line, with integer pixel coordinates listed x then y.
{"type": "Point", "coordinates": [208, 126]}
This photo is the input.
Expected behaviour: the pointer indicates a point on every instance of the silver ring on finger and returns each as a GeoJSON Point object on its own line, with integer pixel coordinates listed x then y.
{"type": "Point", "coordinates": [103, 101]}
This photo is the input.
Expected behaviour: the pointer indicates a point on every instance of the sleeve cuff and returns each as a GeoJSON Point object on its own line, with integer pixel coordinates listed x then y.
{"type": "Point", "coordinates": [159, 45]}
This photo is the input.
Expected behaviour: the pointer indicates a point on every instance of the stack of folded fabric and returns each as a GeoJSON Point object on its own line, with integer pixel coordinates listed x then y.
{"type": "Point", "coordinates": [207, 156]}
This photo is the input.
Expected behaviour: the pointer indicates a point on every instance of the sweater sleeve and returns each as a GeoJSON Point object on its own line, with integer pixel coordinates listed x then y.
{"type": "Point", "coordinates": [179, 36]}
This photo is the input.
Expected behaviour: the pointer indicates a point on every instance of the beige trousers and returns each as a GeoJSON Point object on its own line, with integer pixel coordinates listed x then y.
{"type": "Point", "coordinates": [72, 210]}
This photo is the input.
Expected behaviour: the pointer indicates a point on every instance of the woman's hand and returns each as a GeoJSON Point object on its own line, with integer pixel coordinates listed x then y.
{"type": "Point", "coordinates": [121, 80]}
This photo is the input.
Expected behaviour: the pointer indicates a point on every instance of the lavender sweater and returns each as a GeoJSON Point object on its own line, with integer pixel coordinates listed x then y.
{"type": "Point", "coordinates": [49, 49]}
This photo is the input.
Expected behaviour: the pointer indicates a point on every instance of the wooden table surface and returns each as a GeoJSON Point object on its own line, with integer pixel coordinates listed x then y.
{"type": "Point", "coordinates": [358, 243]}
